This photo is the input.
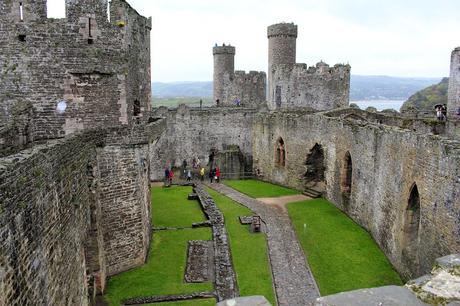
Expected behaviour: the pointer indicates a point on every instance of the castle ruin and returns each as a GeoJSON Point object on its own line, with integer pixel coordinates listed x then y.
{"type": "Point", "coordinates": [79, 144]}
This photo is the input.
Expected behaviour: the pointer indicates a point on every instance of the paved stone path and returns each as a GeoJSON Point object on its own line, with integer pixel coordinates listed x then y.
{"type": "Point", "coordinates": [279, 203]}
{"type": "Point", "coordinates": [294, 283]}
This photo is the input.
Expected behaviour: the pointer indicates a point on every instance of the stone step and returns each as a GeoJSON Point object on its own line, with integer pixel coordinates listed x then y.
{"type": "Point", "coordinates": [312, 193]}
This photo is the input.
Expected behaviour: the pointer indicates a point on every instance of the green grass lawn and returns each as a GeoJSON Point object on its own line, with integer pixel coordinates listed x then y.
{"type": "Point", "coordinates": [341, 254]}
{"type": "Point", "coordinates": [163, 273]}
{"type": "Point", "coordinates": [259, 189]}
{"type": "Point", "coordinates": [170, 207]}
{"type": "Point", "coordinates": [249, 251]}
{"type": "Point", "coordinates": [204, 302]}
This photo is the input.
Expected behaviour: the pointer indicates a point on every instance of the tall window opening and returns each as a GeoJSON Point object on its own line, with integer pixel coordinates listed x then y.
{"type": "Point", "coordinates": [412, 217]}
{"type": "Point", "coordinates": [347, 173]}
{"type": "Point", "coordinates": [137, 108]}
{"type": "Point", "coordinates": [278, 96]}
{"type": "Point", "coordinates": [280, 153]}
{"type": "Point", "coordinates": [21, 11]}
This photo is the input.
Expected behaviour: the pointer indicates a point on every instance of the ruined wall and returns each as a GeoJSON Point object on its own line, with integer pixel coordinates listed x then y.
{"type": "Point", "coordinates": [98, 68]}
{"type": "Point", "coordinates": [321, 87]}
{"type": "Point", "coordinates": [248, 88]}
{"type": "Point", "coordinates": [45, 224]}
{"type": "Point", "coordinates": [193, 133]}
{"type": "Point", "coordinates": [386, 162]}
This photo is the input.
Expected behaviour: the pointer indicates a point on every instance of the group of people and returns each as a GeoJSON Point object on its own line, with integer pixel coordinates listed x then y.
{"type": "Point", "coordinates": [441, 112]}
{"type": "Point", "coordinates": [188, 173]}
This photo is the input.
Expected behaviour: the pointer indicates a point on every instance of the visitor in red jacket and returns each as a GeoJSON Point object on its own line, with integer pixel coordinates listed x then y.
{"type": "Point", "coordinates": [218, 175]}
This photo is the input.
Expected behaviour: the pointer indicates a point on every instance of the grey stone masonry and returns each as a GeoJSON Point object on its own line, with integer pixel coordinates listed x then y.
{"type": "Point", "coordinates": [294, 283]}
{"type": "Point", "coordinates": [225, 278]}
{"type": "Point", "coordinates": [453, 98]}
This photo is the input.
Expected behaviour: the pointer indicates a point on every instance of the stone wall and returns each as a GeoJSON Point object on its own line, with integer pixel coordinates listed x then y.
{"type": "Point", "coordinates": [72, 212]}
{"type": "Point", "coordinates": [99, 69]}
{"type": "Point", "coordinates": [45, 223]}
{"type": "Point", "coordinates": [230, 86]}
{"type": "Point", "coordinates": [320, 87]}
{"type": "Point", "coordinates": [193, 133]}
{"type": "Point", "coordinates": [247, 88]}
{"type": "Point", "coordinates": [386, 163]}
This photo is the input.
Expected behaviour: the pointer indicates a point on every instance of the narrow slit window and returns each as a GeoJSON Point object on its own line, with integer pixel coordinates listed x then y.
{"type": "Point", "coordinates": [21, 11]}
{"type": "Point", "coordinates": [89, 28]}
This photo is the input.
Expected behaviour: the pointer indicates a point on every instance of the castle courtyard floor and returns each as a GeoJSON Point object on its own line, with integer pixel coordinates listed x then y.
{"type": "Point", "coordinates": [293, 280]}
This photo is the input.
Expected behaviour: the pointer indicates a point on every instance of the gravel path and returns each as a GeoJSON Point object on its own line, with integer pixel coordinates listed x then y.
{"type": "Point", "coordinates": [294, 283]}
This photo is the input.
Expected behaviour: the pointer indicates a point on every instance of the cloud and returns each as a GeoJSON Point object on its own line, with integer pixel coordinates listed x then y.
{"type": "Point", "coordinates": [392, 37]}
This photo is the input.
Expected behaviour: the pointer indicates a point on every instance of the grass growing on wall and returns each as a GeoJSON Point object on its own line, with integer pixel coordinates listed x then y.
{"type": "Point", "coordinates": [259, 189]}
{"type": "Point", "coordinates": [341, 254]}
{"type": "Point", "coordinates": [249, 251]}
{"type": "Point", "coordinates": [163, 273]}
{"type": "Point", "coordinates": [170, 207]}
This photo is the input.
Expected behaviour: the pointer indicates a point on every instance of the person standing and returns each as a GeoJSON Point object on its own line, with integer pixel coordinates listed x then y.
{"type": "Point", "coordinates": [189, 175]}
{"type": "Point", "coordinates": [211, 175]}
{"type": "Point", "coordinates": [171, 176]}
{"type": "Point", "coordinates": [218, 175]}
{"type": "Point", "coordinates": [202, 174]}
{"type": "Point", "coordinates": [166, 176]}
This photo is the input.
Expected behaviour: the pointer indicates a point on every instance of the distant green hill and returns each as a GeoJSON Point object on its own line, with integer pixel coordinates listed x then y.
{"type": "Point", "coordinates": [362, 87]}
{"type": "Point", "coordinates": [427, 98]}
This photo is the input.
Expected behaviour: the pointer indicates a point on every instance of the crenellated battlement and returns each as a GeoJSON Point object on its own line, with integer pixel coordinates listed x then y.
{"type": "Point", "coordinates": [282, 29]}
{"type": "Point", "coordinates": [90, 64]}
{"type": "Point", "coordinates": [223, 50]}
{"type": "Point", "coordinates": [320, 68]}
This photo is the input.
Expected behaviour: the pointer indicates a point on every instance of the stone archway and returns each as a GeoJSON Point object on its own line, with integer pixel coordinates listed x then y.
{"type": "Point", "coordinates": [314, 176]}
{"type": "Point", "coordinates": [410, 230]}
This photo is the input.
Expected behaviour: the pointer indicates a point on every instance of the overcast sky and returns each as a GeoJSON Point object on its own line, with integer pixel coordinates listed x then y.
{"type": "Point", "coordinates": [392, 37]}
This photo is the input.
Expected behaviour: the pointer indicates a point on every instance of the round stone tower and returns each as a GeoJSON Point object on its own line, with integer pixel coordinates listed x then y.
{"type": "Point", "coordinates": [224, 62]}
{"type": "Point", "coordinates": [453, 98]}
{"type": "Point", "coordinates": [281, 49]}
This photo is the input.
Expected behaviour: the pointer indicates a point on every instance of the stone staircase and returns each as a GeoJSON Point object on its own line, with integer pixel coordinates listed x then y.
{"type": "Point", "coordinates": [312, 193]}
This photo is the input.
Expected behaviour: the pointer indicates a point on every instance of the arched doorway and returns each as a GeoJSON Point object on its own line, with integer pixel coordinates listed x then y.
{"type": "Point", "coordinates": [411, 227]}
{"type": "Point", "coordinates": [280, 153]}
{"type": "Point", "coordinates": [314, 176]}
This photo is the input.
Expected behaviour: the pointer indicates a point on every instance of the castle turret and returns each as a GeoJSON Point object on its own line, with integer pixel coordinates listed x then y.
{"type": "Point", "coordinates": [224, 63]}
{"type": "Point", "coordinates": [24, 10]}
{"type": "Point", "coordinates": [453, 99]}
{"type": "Point", "coordinates": [281, 50]}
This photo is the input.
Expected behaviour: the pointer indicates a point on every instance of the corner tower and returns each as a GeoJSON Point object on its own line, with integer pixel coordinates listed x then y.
{"type": "Point", "coordinates": [224, 63]}
{"type": "Point", "coordinates": [453, 98]}
{"type": "Point", "coordinates": [281, 50]}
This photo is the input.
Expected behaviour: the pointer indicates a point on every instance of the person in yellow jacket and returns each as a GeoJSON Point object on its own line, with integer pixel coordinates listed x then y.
{"type": "Point", "coordinates": [202, 174]}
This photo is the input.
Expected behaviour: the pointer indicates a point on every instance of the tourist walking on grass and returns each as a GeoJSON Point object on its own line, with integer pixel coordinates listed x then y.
{"type": "Point", "coordinates": [189, 175]}
{"type": "Point", "coordinates": [218, 175]}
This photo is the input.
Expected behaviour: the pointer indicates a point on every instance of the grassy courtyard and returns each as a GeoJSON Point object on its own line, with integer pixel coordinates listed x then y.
{"type": "Point", "coordinates": [249, 251]}
{"type": "Point", "coordinates": [164, 271]}
{"type": "Point", "coordinates": [259, 189]}
{"type": "Point", "coordinates": [341, 254]}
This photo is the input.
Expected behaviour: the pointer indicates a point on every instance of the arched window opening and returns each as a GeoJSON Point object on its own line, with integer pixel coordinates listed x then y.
{"type": "Point", "coordinates": [347, 174]}
{"type": "Point", "coordinates": [280, 153]}
{"type": "Point", "coordinates": [314, 176]}
{"type": "Point", "coordinates": [410, 234]}
{"type": "Point", "coordinates": [412, 217]}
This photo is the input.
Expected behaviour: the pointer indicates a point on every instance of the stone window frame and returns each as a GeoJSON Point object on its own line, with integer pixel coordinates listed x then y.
{"type": "Point", "coordinates": [410, 232]}
{"type": "Point", "coordinates": [346, 178]}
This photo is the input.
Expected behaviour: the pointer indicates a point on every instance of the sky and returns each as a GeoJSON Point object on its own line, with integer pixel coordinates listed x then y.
{"type": "Point", "coordinates": [409, 38]}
